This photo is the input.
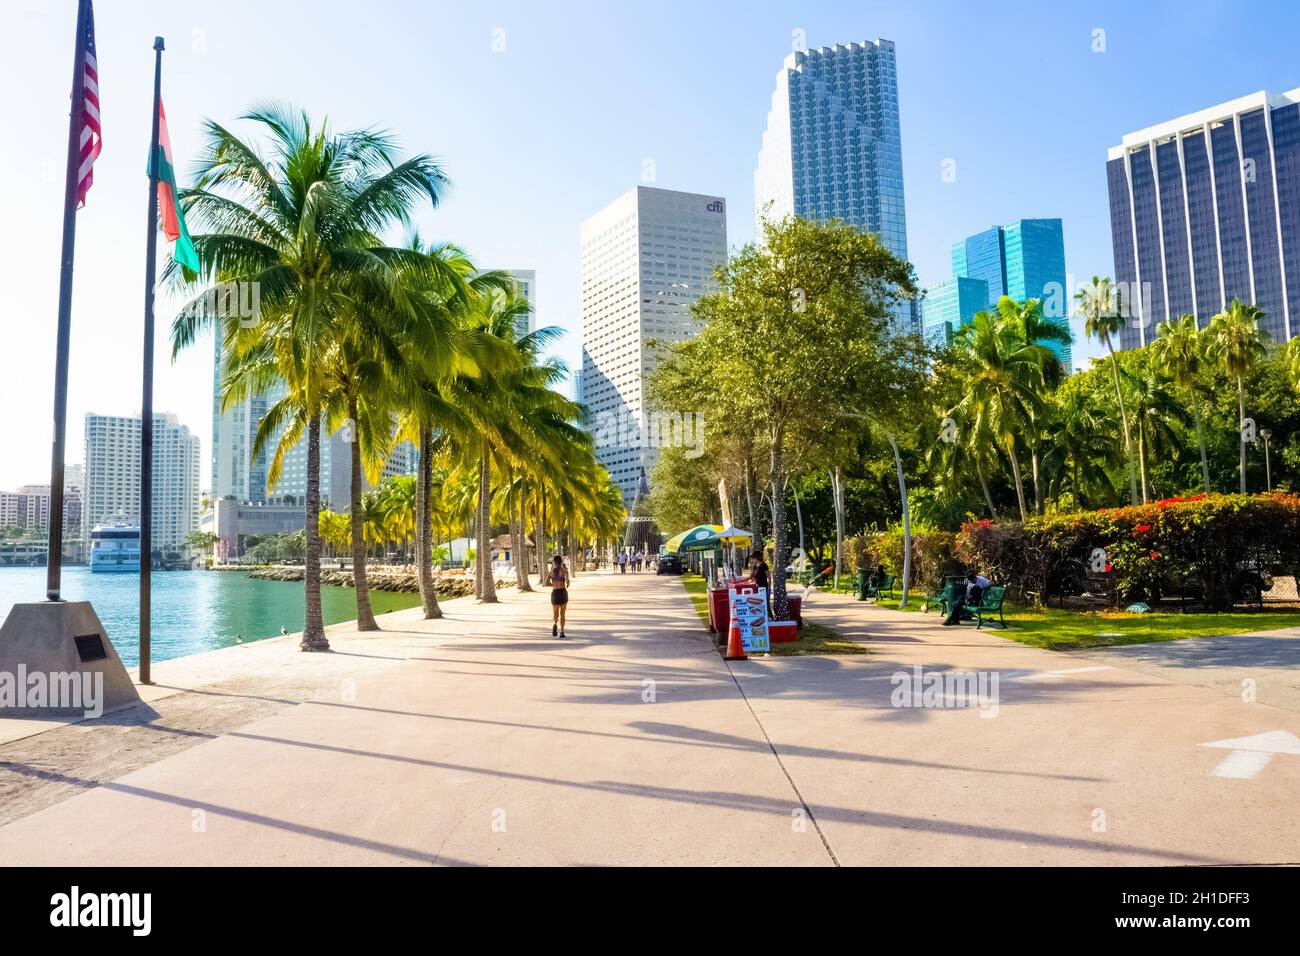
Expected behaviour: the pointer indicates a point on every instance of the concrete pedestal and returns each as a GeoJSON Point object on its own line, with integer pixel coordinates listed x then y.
{"type": "Point", "coordinates": [63, 645]}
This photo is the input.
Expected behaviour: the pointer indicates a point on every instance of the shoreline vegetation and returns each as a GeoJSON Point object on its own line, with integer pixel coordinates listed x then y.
{"type": "Point", "coordinates": [403, 580]}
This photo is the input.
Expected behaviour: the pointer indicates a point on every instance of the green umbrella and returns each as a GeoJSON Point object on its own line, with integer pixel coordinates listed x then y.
{"type": "Point", "coordinates": [677, 542]}
{"type": "Point", "coordinates": [704, 538]}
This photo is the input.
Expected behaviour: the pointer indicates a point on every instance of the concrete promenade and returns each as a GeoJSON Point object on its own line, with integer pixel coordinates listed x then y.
{"type": "Point", "coordinates": [479, 739]}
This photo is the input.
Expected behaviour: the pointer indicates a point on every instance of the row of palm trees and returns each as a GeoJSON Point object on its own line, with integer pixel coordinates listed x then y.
{"type": "Point", "coordinates": [386, 343]}
{"type": "Point", "coordinates": [1008, 410]}
{"type": "Point", "coordinates": [1234, 342]}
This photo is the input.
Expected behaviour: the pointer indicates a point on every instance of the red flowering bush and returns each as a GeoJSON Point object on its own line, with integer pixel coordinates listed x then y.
{"type": "Point", "coordinates": [1200, 541]}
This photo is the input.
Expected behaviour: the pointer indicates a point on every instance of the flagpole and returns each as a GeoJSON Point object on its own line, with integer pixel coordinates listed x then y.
{"type": "Point", "coordinates": [54, 558]}
{"type": "Point", "coordinates": [146, 398]}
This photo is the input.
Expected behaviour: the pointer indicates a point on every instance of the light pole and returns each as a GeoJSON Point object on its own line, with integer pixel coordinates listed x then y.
{"type": "Point", "coordinates": [1266, 434]}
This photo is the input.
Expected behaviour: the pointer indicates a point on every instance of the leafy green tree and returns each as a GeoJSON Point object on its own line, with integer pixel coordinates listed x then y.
{"type": "Point", "coordinates": [797, 333]}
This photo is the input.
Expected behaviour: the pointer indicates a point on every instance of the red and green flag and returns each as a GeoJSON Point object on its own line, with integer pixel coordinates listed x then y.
{"type": "Point", "coordinates": [170, 215]}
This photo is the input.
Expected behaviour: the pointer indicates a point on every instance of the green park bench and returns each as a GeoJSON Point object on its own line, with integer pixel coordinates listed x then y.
{"type": "Point", "coordinates": [990, 604]}
{"type": "Point", "coordinates": [953, 588]}
{"type": "Point", "coordinates": [877, 591]}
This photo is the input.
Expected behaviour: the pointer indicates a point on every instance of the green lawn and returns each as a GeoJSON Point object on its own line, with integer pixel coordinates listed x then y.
{"type": "Point", "coordinates": [813, 638]}
{"type": "Point", "coordinates": [1062, 630]}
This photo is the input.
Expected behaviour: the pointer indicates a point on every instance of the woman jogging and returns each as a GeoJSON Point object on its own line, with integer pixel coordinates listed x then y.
{"type": "Point", "coordinates": [558, 579]}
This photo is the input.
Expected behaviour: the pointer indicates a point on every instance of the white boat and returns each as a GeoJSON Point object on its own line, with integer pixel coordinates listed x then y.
{"type": "Point", "coordinates": [115, 547]}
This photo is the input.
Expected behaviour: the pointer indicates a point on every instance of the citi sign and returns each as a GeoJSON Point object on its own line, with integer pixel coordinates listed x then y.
{"type": "Point", "coordinates": [715, 206]}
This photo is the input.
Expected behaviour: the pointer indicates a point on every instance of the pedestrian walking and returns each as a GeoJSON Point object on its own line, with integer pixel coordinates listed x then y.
{"type": "Point", "coordinates": [558, 579]}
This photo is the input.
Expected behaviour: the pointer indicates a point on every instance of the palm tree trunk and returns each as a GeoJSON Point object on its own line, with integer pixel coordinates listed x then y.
{"type": "Point", "coordinates": [1142, 459]}
{"type": "Point", "coordinates": [424, 529]}
{"type": "Point", "coordinates": [984, 486]}
{"type": "Point", "coordinates": [1200, 441]}
{"type": "Point", "coordinates": [1241, 430]}
{"type": "Point", "coordinates": [365, 614]}
{"type": "Point", "coordinates": [488, 591]}
{"type": "Point", "coordinates": [1033, 463]}
{"type": "Point", "coordinates": [1020, 487]}
{"type": "Point", "coordinates": [539, 539]}
{"type": "Point", "coordinates": [1123, 417]}
{"type": "Point", "coordinates": [520, 544]}
{"type": "Point", "coordinates": [313, 631]}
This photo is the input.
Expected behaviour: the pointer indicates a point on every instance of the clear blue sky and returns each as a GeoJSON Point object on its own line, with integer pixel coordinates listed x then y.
{"type": "Point", "coordinates": [539, 136]}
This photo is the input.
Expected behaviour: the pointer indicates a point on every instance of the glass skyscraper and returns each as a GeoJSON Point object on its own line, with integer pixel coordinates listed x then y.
{"type": "Point", "coordinates": [1206, 208]}
{"type": "Point", "coordinates": [1024, 260]}
{"type": "Point", "coordinates": [833, 147]}
{"type": "Point", "coordinates": [950, 305]}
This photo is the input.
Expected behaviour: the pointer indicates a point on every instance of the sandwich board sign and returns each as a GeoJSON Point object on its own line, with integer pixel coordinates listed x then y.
{"type": "Point", "coordinates": [750, 611]}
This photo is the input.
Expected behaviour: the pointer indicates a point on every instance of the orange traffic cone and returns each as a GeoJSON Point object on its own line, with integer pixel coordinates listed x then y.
{"type": "Point", "coordinates": [735, 646]}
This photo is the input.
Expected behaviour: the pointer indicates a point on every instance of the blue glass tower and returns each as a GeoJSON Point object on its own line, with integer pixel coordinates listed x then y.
{"type": "Point", "coordinates": [1024, 260]}
{"type": "Point", "coordinates": [833, 145]}
{"type": "Point", "coordinates": [1206, 208]}
{"type": "Point", "coordinates": [950, 305]}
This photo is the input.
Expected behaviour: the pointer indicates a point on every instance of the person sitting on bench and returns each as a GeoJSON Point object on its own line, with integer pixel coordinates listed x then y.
{"type": "Point", "coordinates": [975, 587]}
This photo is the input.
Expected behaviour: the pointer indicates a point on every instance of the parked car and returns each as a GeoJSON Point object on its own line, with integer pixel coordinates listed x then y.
{"type": "Point", "coordinates": [670, 564]}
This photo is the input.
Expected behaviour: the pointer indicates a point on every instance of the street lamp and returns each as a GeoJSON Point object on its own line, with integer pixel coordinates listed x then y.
{"type": "Point", "coordinates": [1266, 434]}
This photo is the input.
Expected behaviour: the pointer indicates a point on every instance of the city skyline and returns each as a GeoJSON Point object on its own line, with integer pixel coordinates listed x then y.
{"type": "Point", "coordinates": [959, 174]}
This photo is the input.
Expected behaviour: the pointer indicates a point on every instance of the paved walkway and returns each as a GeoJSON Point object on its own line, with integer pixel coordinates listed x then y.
{"type": "Point", "coordinates": [479, 739]}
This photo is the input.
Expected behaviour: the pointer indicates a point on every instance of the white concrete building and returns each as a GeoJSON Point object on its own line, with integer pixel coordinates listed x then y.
{"type": "Point", "coordinates": [112, 481]}
{"type": "Point", "coordinates": [646, 258]}
{"type": "Point", "coordinates": [525, 286]}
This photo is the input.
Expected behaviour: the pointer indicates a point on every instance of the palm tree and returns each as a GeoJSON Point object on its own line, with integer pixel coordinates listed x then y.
{"type": "Point", "coordinates": [1179, 351]}
{"type": "Point", "coordinates": [1236, 345]}
{"type": "Point", "coordinates": [304, 226]}
{"type": "Point", "coordinates": [1034, 328]}
{"type": "Point", "coordinates": [443, 295]}
{"type": "Point", "coordinates": [511, 419]}
{"type": "Point", "coordinates": [335, 530]}
{"type": "Point", "coordinates": [1155, 409]}
{"type": "Point", "coordinates": [1099, 307]}
{"type": "Point", "coordinates": [1081, 448]}
{"type": "Point", "coordinates": [1003, 387]}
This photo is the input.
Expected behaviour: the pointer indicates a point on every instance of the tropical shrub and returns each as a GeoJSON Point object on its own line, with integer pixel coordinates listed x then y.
{"type": "Point", "coordinates": [933, 554]}
{"type": "Point", "coordinates": [1196, 543]}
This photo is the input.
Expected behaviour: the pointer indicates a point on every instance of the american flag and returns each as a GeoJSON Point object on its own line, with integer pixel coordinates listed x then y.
{"type": "Point", "coordinates": [91, 141]}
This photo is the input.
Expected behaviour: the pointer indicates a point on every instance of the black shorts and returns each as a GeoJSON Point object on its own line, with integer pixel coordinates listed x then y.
{"type": "Point", "coordinates": [559, 596]}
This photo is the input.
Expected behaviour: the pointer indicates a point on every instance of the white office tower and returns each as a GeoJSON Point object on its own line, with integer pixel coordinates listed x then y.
{"type": "Point", "coordinates": [236, 473]}
{"type": "Point", "coordinates": [112, 482]}
{"type": "Point", "coordinates": [833, 146]}
{"type": "Point", "coordinates": [647, 258]}
{"type": "Point", "coordinates": [526, 286]}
